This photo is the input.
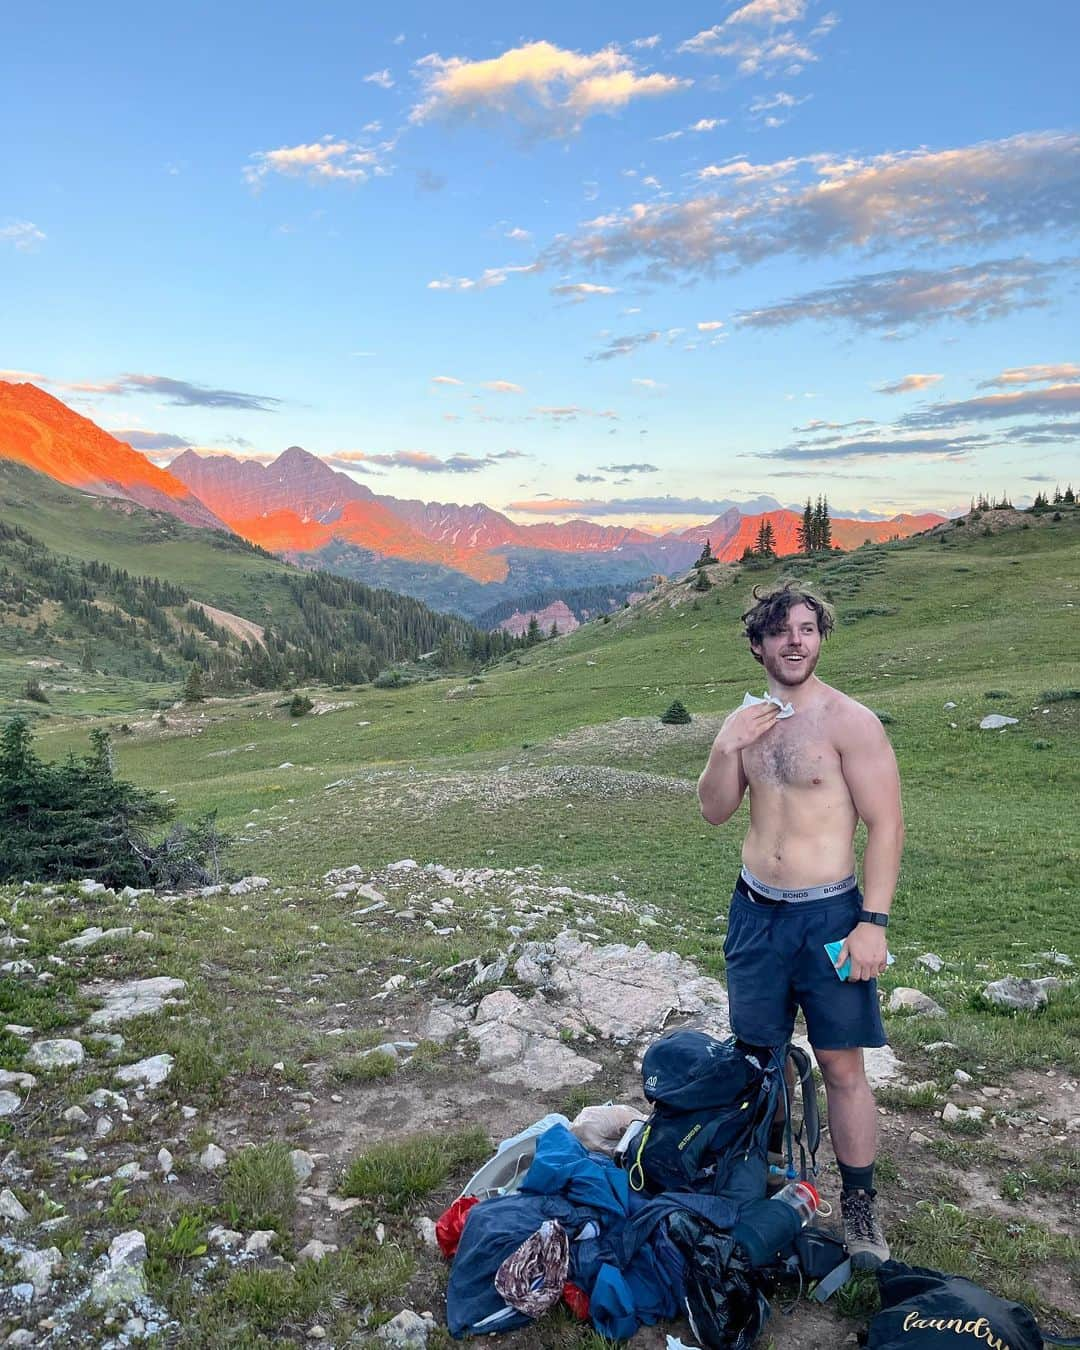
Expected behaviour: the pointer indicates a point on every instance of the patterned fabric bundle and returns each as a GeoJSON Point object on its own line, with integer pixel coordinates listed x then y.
{"type": "Point", "coordinates": [531, 1279]}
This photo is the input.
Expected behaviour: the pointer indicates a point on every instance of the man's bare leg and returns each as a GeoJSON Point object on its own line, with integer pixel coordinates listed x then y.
{"type": "Point", "coordinates": [853, 1118]}
{"type": "Point", "coordinates": [853, 1128]}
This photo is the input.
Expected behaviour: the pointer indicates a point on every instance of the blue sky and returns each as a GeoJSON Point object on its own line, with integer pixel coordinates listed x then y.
{"type": "Point", "coordinates": [624, 262]}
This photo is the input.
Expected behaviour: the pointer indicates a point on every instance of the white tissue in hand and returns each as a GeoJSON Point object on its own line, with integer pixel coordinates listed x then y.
{"type": "Point", "coordinates": [786, 710]}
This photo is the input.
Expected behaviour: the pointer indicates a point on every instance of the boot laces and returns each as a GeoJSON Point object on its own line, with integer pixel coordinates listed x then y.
{"type": "Point", "coordinates": [861, 1222]}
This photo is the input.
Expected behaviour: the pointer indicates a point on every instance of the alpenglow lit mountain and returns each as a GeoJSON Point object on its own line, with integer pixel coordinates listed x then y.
{"type": "Point", "coordinates": [44, 434]}
{"type": "Point", "coordinates": [471, 559]}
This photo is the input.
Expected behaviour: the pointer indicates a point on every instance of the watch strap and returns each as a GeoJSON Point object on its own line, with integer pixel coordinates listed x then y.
{"type": "Point", "coordinates": [874, 916]}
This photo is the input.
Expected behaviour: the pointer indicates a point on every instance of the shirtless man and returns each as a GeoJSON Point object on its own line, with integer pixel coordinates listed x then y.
{"type": "Point", "coordinates": [812, 777]}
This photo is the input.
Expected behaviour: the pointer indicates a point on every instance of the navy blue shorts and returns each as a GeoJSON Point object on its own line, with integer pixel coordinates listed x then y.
{"type": "Point", "coordinates": [777, 963]}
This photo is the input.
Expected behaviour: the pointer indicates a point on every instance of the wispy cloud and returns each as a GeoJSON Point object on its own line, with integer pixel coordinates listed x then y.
{"type": "Point", "coordinates": [324, 161]}
{"type": "Point", "coordinates": [910, 384]}
{"type": "Point", "coordinates": [1055, 401]}
{"type": "Point", "coordinates": [382, 78]}
{"type": "Point", "coordinates": [710, 325]}
{"type": "Point", "coordinates": [763, 35]}
{"type": "Point", "coordinates": [445, 379]}
{"type": "Point", "coordinates": [820, 205]}
{"type": "Point", "coordinates": [548, 90]}
{"type": "Point", "coordinates": [624, 346]}
{"type": "Point", "coordinates": [629, 468]}
{"type": "Point", "coordinates": [420, 460]}
{"type": "Point", "coordinates": [773, 112]}
{"type": "Point", "coordinates": [646, 43]}
{"type": "Point", "coordinates": [1040, 374]}
{"type": "Point", "coordinates": [150, 440]}
{"type": "Point", "coordinates": [577, 291]}
{"type": "Point", "coordinates": [589, 478]}
{"type": "Point", "coordinates": [518, 235]}
{"type": "Point", "coordinates": [892, 300]}
{"type": "Point", "coordinates": [701, 125]}
{"type": "Point", "coordinates": [182, 393]}
{"type": "Point", "coordinates": [22, 234]}
{"type": "Point", "coordinates": [569, 412]}
{"type": "Point", "coordinates": [491, 276]}
{"type": "Point", "coordinates": [23, 377]}
{"type": "Point", "coordinates": [502, 387]}
{"type": "Point", "coordinates": [620, 506]}
{"type": "Point", "coordinates": [654, 386]}
{"type": "Point", "coordinates": [884, 447]}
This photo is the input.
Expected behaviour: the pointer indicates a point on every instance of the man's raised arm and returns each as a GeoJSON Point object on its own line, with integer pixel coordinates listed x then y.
{"type": "Point", "coordinates": [722, 783]}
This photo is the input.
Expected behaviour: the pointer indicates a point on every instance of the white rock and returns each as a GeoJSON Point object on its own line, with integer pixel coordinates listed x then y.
{"type": "Point", "coordinates": [425, 1231]}
{"type": "Point", "coordinates": [17, 1029]}
{"type": "Point", "coordinates": [103, 1097]}
{"type": "Point", "coordinates": [11, 1207]}
{"type": "Point", "coordinates": [124, 1280]}
{"type": "Point", "coordinates": [12, 1078]}
{"type": "Point", "coordinates": [131, 998]}
{"type": "Point", "coordinates": [961, 1077]}
{"type": "Point", "coordinates": [39, 1268]}
{"type": "Point", "coordinates": [303, 1164]}
{"type": "Point", "coordinates": [259, 1241]}
{"type": "Point", "coordinates": [104, 1127]}
{"type": "Point", "coordinates": [78, 1155]}
{"type": "Point", "coordinates": [90, 887]}
{"type": "Point", "coordinates": [90, 937]}
{"type": "Point", "coordinates": [75, 1115]}
{"type": "Point", "coordinates": [59, 1054]}
{"type": "Point", "coordinates": [248, 884]}
{"type": "Point", "coordinates": [315, 1250]}
{"type": "Point", "coordinates": [1022, 995]}
{"type": "Point", "coordinates": [165, 1160]}
{"type": "Point", "coordinates": [224, 1237]}
{"type": "Point", "coordinates": [995, 721]}
{"type": "Point", "coordinates": [931, 961]}
{"type": "Point", "coordinates": [406, 1331]}
{"type": "Point", "coordinates": [151, 1071]}
{"type": "Point", "coordinates": [212, 1158]}
{"type": "Point", "coordinates": [10, 1102]}
{"type": "Point", "coordinates": [914, 1000]}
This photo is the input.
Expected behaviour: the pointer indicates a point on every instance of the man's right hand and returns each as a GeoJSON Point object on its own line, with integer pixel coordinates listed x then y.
{"type": "Point", "coordinates": [745, 726]}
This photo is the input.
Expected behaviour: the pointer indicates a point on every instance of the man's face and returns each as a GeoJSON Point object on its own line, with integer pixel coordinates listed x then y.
{"type": "Point", "coordinates": [791, 655]}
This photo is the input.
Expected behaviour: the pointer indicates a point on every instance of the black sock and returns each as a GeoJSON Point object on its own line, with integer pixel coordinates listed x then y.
{"type": "Point", "coordinates": [856, 1178]}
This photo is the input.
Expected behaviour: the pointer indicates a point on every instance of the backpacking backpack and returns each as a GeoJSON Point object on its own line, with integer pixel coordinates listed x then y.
{"type": "Point", "coordinates": [713, 1106]}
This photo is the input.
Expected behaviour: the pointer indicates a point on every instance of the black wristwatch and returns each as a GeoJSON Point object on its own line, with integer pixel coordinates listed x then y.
{"type": "Point", "coordinates": [873, 916]}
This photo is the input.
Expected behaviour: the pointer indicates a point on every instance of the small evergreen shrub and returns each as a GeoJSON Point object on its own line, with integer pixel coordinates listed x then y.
{"type": "Point", "coordinates": [300, 704]}
{"type": "Point", "coordinates": [34, 691]}
{"type": "Point", "coordinates": [675, 715]}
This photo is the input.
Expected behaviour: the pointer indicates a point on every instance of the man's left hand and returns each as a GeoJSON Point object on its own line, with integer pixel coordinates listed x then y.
{"type": "Point", "coordinates": [866, 946]}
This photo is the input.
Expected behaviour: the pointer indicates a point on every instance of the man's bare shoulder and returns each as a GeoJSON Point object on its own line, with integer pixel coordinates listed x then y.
{"type": "Point", "coordinates": [847, 715]}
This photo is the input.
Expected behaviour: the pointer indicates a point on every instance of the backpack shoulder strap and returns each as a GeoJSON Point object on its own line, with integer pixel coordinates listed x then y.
{"type": "Point", "coordinates": [810, 1130]}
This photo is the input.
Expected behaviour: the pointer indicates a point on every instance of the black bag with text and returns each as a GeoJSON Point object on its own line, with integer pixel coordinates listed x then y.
{"type": "Point", "coordinates": [927, 1310]}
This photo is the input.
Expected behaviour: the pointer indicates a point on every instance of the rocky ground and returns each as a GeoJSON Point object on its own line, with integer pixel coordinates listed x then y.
{"type": "Point", "coordinates": [200, 1086]}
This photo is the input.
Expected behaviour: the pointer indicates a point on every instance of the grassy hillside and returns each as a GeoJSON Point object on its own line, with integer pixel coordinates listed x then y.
{"type": "Point", "coordinates": [73, 568]}
{"type": "Point", "coordinates": [986, 623]}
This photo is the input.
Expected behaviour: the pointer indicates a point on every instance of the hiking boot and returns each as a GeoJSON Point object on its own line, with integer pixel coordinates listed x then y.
{"type": "Point", "coordinates": [862, 1230]}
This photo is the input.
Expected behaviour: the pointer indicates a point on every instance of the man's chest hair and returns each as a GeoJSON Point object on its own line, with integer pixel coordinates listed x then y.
{"type": "Point", "coordinates": [792, 756]}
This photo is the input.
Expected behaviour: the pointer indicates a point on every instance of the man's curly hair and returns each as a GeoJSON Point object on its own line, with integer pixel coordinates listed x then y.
{"type": "Point", "coordinates": [768, 614]}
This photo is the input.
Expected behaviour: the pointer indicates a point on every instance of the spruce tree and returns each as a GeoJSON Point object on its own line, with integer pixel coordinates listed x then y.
{"type": "Point", "coordinates": [706, 557]}
{"type": "Point", "coordinates": [193, 686]}
{"type": "Point", "coordinates": [765, 544]}
{"type": "Point", "coordinates": [806, 529]}
{"type": "Point", "coordinates": [87, 662]}
{"type": "Point", "coordinates": [554, 630]}
{"type": "Point", "coordinates": [701, 582]}
{"type": "Point", "coordinates": [532, 633]}
{"type": "Point", "coordinates": [1069, 496]}
{"type": "Point", "coordinates": [675, 715]}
